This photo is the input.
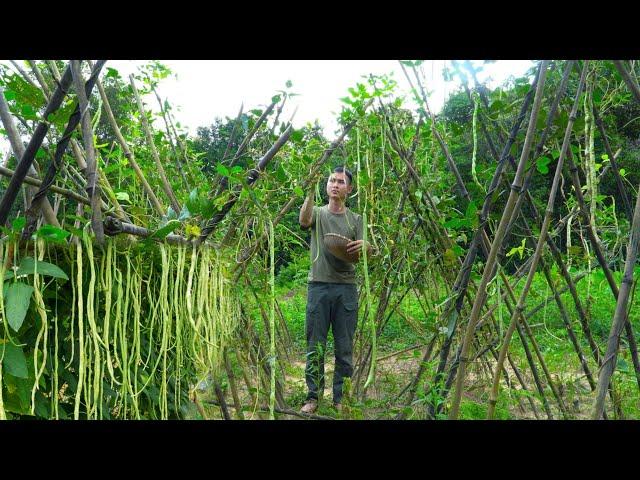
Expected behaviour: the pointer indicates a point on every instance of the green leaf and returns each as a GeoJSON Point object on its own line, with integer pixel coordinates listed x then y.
{"type": "Point", "coordinates": [14, 361]}
{"type": "Point", "coordinates": [276, 98]}
{"type": "Point", "coordinates": [16, 302]}
{"type": "Point", "coordinates": [623, 365]}
{"type": "Point", "coordinates": [166, 230]}
{"type": "Point", "coordinates": [289, 84]}
{"type": "Point", "coordinates": [496, 106]}
{"type": "Point", "coordinates": [513, 251]}
{"type": "Point", "coordinates": [41, 153]}
{"type": "Point", "coordinates": [18, 224]}
{"type": "Point", "coordinates": [454, 223]}
{"type": "Point", "coordinates": [451, 327]}
{"type": "Point", "coordinates": [123, 197]}
{"type": "Point", "coordinates": [194, 203]}
{"type": "Point", "coordinates": [112, 73]}
{"type": "Point", "coordinates": [28, 265]}
{"type": "Point", "coordinates": [171, 214]}
{"type": "Point", "coordinates": [51, 233]}
{"type": "Point", "coordinates": [28, 112]}
{"type": "Point", "coordinates": [9, 94]}
{"type": "Point", "coordinates": [298, 191]}
{"type": "Point", "coordinates": [622, 172]}
{"type": "Point", "coordinates": [281, 174]}
{"type": "Point", "coordinates": [184, 213]}
{"type": "Point", "coordinates": [222, 170]}
{"type": "Point", "coordinates": [541, 164]}
{"type": "Point", "coordinates": [297, 135]}
{"type": "Point", "coordinates": [472, 210]}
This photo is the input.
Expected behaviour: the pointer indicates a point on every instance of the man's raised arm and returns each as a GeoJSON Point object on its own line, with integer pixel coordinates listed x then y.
{"type": "Point", "coordinates": [306, 212]}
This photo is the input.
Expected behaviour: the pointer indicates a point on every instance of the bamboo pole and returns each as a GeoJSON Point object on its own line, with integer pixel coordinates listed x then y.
{"type": "Point", "coordinates": [247, 139]}
{"type": "Point", "coordinates": [173, 147]}
{"type": "Point", "coordinates": [222, 183]}
{"type": "Point", "coordinates": [497, 243]}
{"type": "Point", "coordinates": [517, 316]}
{"type": "Point", "coordinates": [38, 74]}
{"type": "Point", "coordinates": [147, 130]}
{"type": "Point", "coordinates": [620, 317]}
{"type": "Point", "coordinates": [93, 188]}
{"type": "Point", "coordinates": [221, 401]}
{"type": "Point", "coordinates": [628, 79]}
{"type": "Point", "coordinates": [233, 133]}
{"type": "Point", "coordinates": [18, 149]}
{"type": "Point", "coordinates": [61, 146]}
{"type": "Point", "coordinates": [485, 240]}
{"type": "Point", "coordinates": [114, 226]}
{"type": "Point", "coordinates": [253, 175]}
{"type": "Point", "coordinates": [26, 160]}
{"type": "Point", "coordinates": [614, 164]}
{"type": "Point", "coordinates": [593, 239]}
{"type": "Point", "coordinates": [7, 172]}
{"type": "Point", "coordinates": [127, 152]}
{"type": "Point", "coordinates": [232, 383]}
{"type": "Point", "coordinates": [77, 152]}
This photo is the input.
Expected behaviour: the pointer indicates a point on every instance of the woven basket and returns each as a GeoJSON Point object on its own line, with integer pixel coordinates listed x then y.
{"type": "Point", "coordinates": [337, 245]}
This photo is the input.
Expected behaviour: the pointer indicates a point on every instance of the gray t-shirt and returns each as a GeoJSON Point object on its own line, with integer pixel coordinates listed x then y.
{"type": "Point", "coordinates": [326, 267]}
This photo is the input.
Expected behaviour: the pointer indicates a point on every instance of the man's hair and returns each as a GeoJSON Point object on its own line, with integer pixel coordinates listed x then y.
{"type": "Point", "coordinates": [344, 170]}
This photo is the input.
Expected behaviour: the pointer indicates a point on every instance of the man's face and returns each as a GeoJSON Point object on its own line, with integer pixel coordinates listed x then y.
{"type": "Point", "coordinates": [338, 186]}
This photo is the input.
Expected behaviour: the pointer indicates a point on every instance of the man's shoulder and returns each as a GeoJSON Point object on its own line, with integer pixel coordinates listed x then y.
{"type": "Point", "coordinates": [355, 215]}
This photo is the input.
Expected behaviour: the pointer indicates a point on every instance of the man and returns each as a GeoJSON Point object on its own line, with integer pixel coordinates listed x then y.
{"type": "Point", "coordinates": [332, 297]}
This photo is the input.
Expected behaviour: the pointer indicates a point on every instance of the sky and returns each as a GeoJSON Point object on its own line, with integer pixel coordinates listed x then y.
{"type": "Point", "coordinates": [202, 90]}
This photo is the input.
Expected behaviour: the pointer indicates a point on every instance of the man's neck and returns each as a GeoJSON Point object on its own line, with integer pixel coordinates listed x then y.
{"type": "Point", "coordinates": [336, 206]}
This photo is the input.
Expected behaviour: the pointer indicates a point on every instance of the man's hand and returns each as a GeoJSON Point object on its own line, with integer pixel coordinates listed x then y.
{"type": "Point", "coordinates": [306, 212]}
{"type": "Point", "coordinates": [356, 246]}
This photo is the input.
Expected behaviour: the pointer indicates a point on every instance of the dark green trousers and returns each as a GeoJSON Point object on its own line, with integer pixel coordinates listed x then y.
{"type": "Point", "coordinates": [335, 305]}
